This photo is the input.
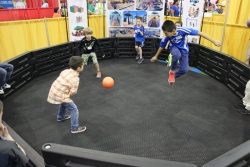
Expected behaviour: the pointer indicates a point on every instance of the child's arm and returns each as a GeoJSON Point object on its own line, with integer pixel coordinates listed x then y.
{"type": "Point", "coordinates": [135, 31]}
{"type": "Point", "coordinates": [74, 86]}
{"type": "Point", "coordinates": [156, 55]}
{"type": "Point", "coordinates": [5, 133]}
{"type": "Point", "coordinates": [167, 45]}
{"type": "Point", "coordinates": [215, 42]}
{"type": "Point", "coordinates": [163, 43]}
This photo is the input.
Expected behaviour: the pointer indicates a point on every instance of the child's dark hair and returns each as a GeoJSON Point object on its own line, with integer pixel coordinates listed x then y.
{"type": "Point", "coordinates": [75, 62]}
{"type": "Point", "coordinates": [175, 1]}
{"type": "Point", "coordinates": [168, 26]}
{"type": "Point", "coordinates": [1, 107]}
{"type": "Point", "coordinates": [138, 17]}
{"type": "Point", "coordinates": [179, 22]}
{"type": "Point", "coordinates": [56, 10]}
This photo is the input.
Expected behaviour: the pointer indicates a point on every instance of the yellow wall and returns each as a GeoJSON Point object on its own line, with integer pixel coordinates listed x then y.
{"type": "Point", "coordinates": [18, 37]}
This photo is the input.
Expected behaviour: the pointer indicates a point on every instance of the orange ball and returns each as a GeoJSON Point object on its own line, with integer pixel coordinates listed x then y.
{"type": "Point", "coordinates": [108, 82]}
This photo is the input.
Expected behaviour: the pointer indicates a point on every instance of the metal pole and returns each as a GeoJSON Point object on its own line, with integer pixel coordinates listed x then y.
{"type": "Point", "coordinates": [225, 22]}
{"type": "Point", "coordinates": [167, 9]}
{"type": "Point", "coordinates": [67, 32]}
{"type": "Point", "coordinates": [87, 13]}
{"type": "Point", "coordinates": [103, 21]}
{"type": "Point", "coordinates": [181, 11]}
{"type": "Point", "coordinates": [66, 14]}
{"type": "Point", "coordinates": [202, 22]}
{"type": "Point", "coordinates": [46, 28]}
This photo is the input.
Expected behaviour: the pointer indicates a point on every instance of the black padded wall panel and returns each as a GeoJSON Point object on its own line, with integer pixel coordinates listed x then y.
{"type": "Point", "coordinates": [51, 65]}
{"type": "Point", "coordinates": [22, 73]}
{"type": "Point", "coordinates": [213, 57]}
{"type": "Point", "coordinates": [213, 63]}
{"type": "Point", "coordinates": [238, 76]}
{"type": "Point", "coordinates": [221, 67]}
{"type": "Point", "coordinates": [51, 59]}
{"type": "Point", "coordinates": [212, 70]}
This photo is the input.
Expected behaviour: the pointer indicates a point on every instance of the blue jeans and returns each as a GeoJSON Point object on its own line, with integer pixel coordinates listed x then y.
{"type": "Point", "coordinates": [5, 72]}
{"type": "Point", "coordinates": [182, 68]}
{"type": "Point", "coordinates": [73, 113]}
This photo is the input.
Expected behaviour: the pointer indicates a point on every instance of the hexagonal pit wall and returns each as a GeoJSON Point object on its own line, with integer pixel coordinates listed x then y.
{"type": "Point", "coordinates": [192, 121]}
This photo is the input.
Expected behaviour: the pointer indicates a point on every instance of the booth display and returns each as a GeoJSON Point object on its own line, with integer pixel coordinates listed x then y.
{"type": "Point", "coordinates": [77, 15]}
{"type": "Point", "coordinates": [121, 17]}
{"type": "Point", "coordinates": [192, 16]}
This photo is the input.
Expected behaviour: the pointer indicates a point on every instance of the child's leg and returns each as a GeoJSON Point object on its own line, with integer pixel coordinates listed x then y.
{"type": "Point", "coordinates": [246, 99]}
{"type": "Point", "coordinates": [176, 54]}
{"type": "Point", "coordinates": [140, 52]}
{"type": "Point", "coordinates": [95, 62]}
{"type": "Point", "coordinates": [85, 58]}
{"type": "Point", "coordinates": [137, 49]}
{"type": "Point", "coordinates": [61, 111]}
{"type": "Point", "coordinates": [94, 58]}
{"type": "Point", "coordinates": [3, 74]}
{"type": "Point", "coordinates": [141, 44]}
{"type": "Point", "coordinates": [73, 113]}
{"type": "Point", "coordinates": [183, 66]}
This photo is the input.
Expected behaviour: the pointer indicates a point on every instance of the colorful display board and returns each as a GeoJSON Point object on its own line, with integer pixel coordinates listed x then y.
{"type": "Point", "coordinates": [77, 15]}
{"type": "Point", "coordinates": [121, 17]}
{"type": "Point", "coordinates": [192, 16]}
{"type": "Point", "coordinates": [6, 4]}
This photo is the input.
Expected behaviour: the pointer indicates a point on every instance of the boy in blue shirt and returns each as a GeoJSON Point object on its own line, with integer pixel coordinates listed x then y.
{"type": "Point", "coordinates": [169, 61]}
{"type": "Point", "coordinates": [139, 39]}
{"type": "Point", "coordinates": [178, 47]}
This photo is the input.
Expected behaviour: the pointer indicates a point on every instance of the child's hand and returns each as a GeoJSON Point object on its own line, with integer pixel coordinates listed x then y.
{"type": "Point", "coordinates": [103, 56]}
{"type": "Point", "coordinates": [217, 43]}
{"type": "Point", "coordinates": [166, 48]}
{"type": "Point", "coordinates": [4, 131]}
{"type": "Point", "coordinates": [136, 31]}
{"type": "Point", "coordinates": [153, 59]}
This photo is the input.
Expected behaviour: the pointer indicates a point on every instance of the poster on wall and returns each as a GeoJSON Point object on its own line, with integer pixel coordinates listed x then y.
{"type": "Point", "coordinates": [192, 16]}
{"type": "Point", "coordinates": [6, 4]}
{"type": "Point", "coordinates": [121, 17]}
{"type": "Point", "coordinates": [77, 15]}
{"type": "Point", "coordinates": [19, 4]}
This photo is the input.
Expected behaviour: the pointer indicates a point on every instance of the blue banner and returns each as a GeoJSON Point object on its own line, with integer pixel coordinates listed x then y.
{"type": "Point", "coordinates": [6, 4]}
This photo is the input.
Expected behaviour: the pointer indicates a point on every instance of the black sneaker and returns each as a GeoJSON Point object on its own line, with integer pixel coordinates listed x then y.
{"type": "Point", "coordinates": [244, 111]}
{"type": "Point", "coordinates": [137, 56]}
{"type": "Point", "coordinates": [239, 105]}
{"type": "Point", "coordinates": [140, 61]}
{"type": "Point", "coordinates": [79, 129]}
{"type": "Point", "coordinates": [65, 118]}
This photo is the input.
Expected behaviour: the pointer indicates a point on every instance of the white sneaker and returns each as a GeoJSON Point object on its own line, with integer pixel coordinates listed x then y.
{"type": "Point", "coordinates": [1, 91]}
{"type": "Point", "coordinates": [99, 75]}
{"type": "Point", "coordinates": [6, 86]}
{"type": "Point", "coordinates": [79, 129]}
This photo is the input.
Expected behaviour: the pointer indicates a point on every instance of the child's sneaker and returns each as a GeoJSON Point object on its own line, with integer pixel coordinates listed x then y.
{"type": "Point", "coordinates": [239, 105]}
{"type": "Point", "coordinates": [1, 90]}
{"type": "Point", "coordinates": [137, 56]}
{"type": "Point", "coordinates": [171, 77]}
{"type": "Point", "coordinates": [65, 118]}
{"type": "Point", "coordinates": [6, 86]}
{"type": "Point", "coordinates": [79, 129]}
{"type": "Point", "coordinates": [140, 61]}
{"type": "Point", "coordinates": [169, 60]}
{"type": "Point", "coordinates": [99, 74]}
{"type": "Point", "coordinates": [243, 111]}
